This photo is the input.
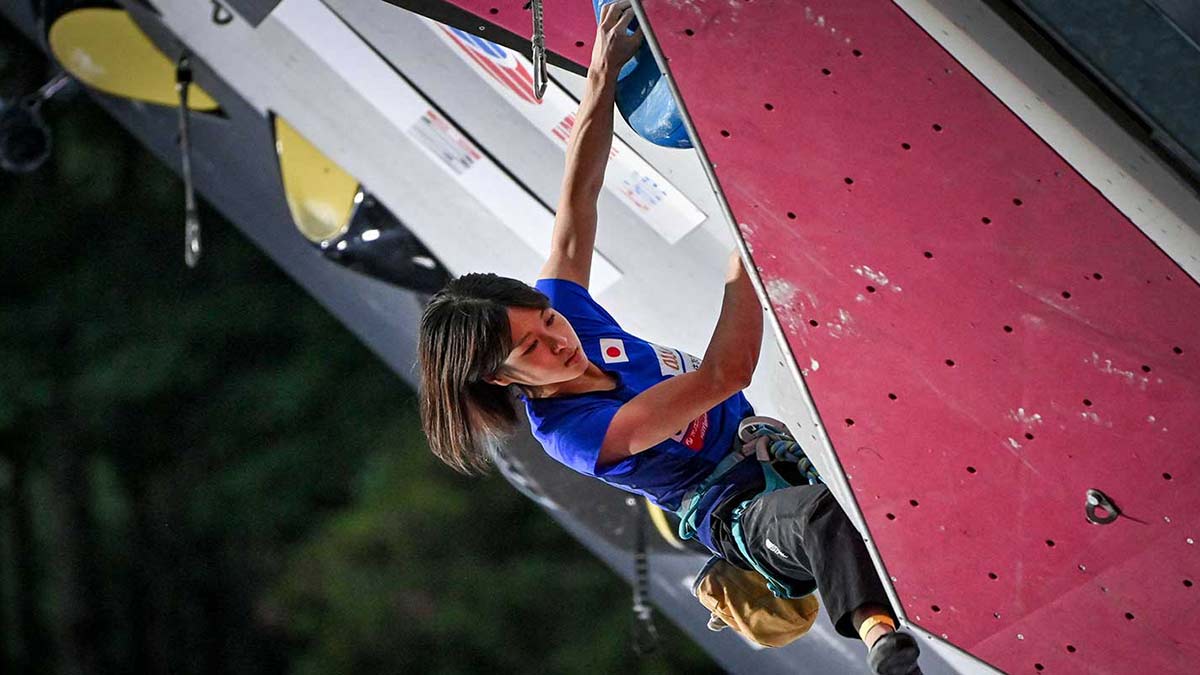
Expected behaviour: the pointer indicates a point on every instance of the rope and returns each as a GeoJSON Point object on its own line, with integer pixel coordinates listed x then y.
{"type": "Point", "coordinates": [191, 228]}
{"type": "Point", "coordinates": [645, 634]}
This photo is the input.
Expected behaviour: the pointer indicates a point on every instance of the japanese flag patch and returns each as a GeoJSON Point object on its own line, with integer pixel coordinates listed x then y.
{"type": "Point", "coordinates": [613, 350]}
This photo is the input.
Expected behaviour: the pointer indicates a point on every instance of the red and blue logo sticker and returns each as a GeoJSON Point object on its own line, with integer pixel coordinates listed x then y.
{"type": "Point", "coordinates": [501, 64]}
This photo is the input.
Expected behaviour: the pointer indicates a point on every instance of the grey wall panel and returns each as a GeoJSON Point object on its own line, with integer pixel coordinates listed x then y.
{"type": "Point", "coordinates": [253, 11]}
{"type": "Point", "coordinates": [1143, 57]}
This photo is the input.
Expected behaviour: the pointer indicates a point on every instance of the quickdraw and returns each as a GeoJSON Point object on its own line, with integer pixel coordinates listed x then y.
{"type": "Point", "coordinates": [540, 76]}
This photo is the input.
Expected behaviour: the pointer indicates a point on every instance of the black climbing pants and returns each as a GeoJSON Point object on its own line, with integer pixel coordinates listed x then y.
{"type": "Point", "coordinates": [801, 535]}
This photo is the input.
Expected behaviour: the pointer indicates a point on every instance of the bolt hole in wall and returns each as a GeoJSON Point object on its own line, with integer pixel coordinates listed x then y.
{"type": "Point", "coordinates": [971, 469]}
{"type": "Point", "coordinates": [768, 106]}
{"type": "Point", "coordinates": [906, 146]}
{"type": "Point", "coordinates": [892, 396]}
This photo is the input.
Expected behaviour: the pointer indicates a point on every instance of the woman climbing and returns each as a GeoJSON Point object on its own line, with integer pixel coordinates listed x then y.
{"type": "Point", "coordinates": [633, 414]}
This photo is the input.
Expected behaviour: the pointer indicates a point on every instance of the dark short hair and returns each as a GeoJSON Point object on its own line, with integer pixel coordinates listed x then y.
{"type": "Point", "coordinates": [465, 336]}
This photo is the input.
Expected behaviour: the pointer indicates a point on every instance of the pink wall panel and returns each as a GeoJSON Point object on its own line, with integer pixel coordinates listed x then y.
{"type": "Point", "coordinates": [570, 26]}
{"type": "Point", "coordinates": [904, 220]}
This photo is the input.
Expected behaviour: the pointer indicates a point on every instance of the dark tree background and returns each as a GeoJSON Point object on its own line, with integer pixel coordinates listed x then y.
{"type": "Point", "coordinates": [203, 472]}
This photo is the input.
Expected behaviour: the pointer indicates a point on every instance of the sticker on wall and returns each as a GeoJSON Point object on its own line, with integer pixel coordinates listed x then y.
{"type": "Point", "coordinates": [629, 177]}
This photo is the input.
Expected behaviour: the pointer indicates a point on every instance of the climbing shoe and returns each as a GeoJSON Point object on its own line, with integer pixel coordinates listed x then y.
{"type": "Point", "coordinates": [895, 654]}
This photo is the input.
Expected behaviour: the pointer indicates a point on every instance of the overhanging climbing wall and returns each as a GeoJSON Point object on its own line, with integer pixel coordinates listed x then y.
{"type": "Point", "coordinates": [984, 335]}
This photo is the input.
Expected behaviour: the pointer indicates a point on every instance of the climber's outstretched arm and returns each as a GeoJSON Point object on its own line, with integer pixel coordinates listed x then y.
{"type": "Point", "coordinates": [729, 362]}
{"type": "Point", "coordinates": [574, 233]}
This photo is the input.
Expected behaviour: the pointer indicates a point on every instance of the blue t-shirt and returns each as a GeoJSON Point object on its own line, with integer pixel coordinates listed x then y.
{"type": "Point", "coordinates": [572, 427]}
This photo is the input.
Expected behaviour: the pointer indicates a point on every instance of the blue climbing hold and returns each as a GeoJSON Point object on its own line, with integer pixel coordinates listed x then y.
{"type": "Point", "coordinates": [644, 98]}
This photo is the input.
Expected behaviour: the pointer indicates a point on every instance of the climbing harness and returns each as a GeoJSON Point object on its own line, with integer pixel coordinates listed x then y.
{"type": "Point", "coordinates": [772, 442]}
{"type": "Point", "coordinates": [191, 228]}
{"type": "Point", "coordinates": [539, 51]}
{"type": "Point", "coordinates": [768, 440]}
{"type": "Point", "coordinates": [760, 607]}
